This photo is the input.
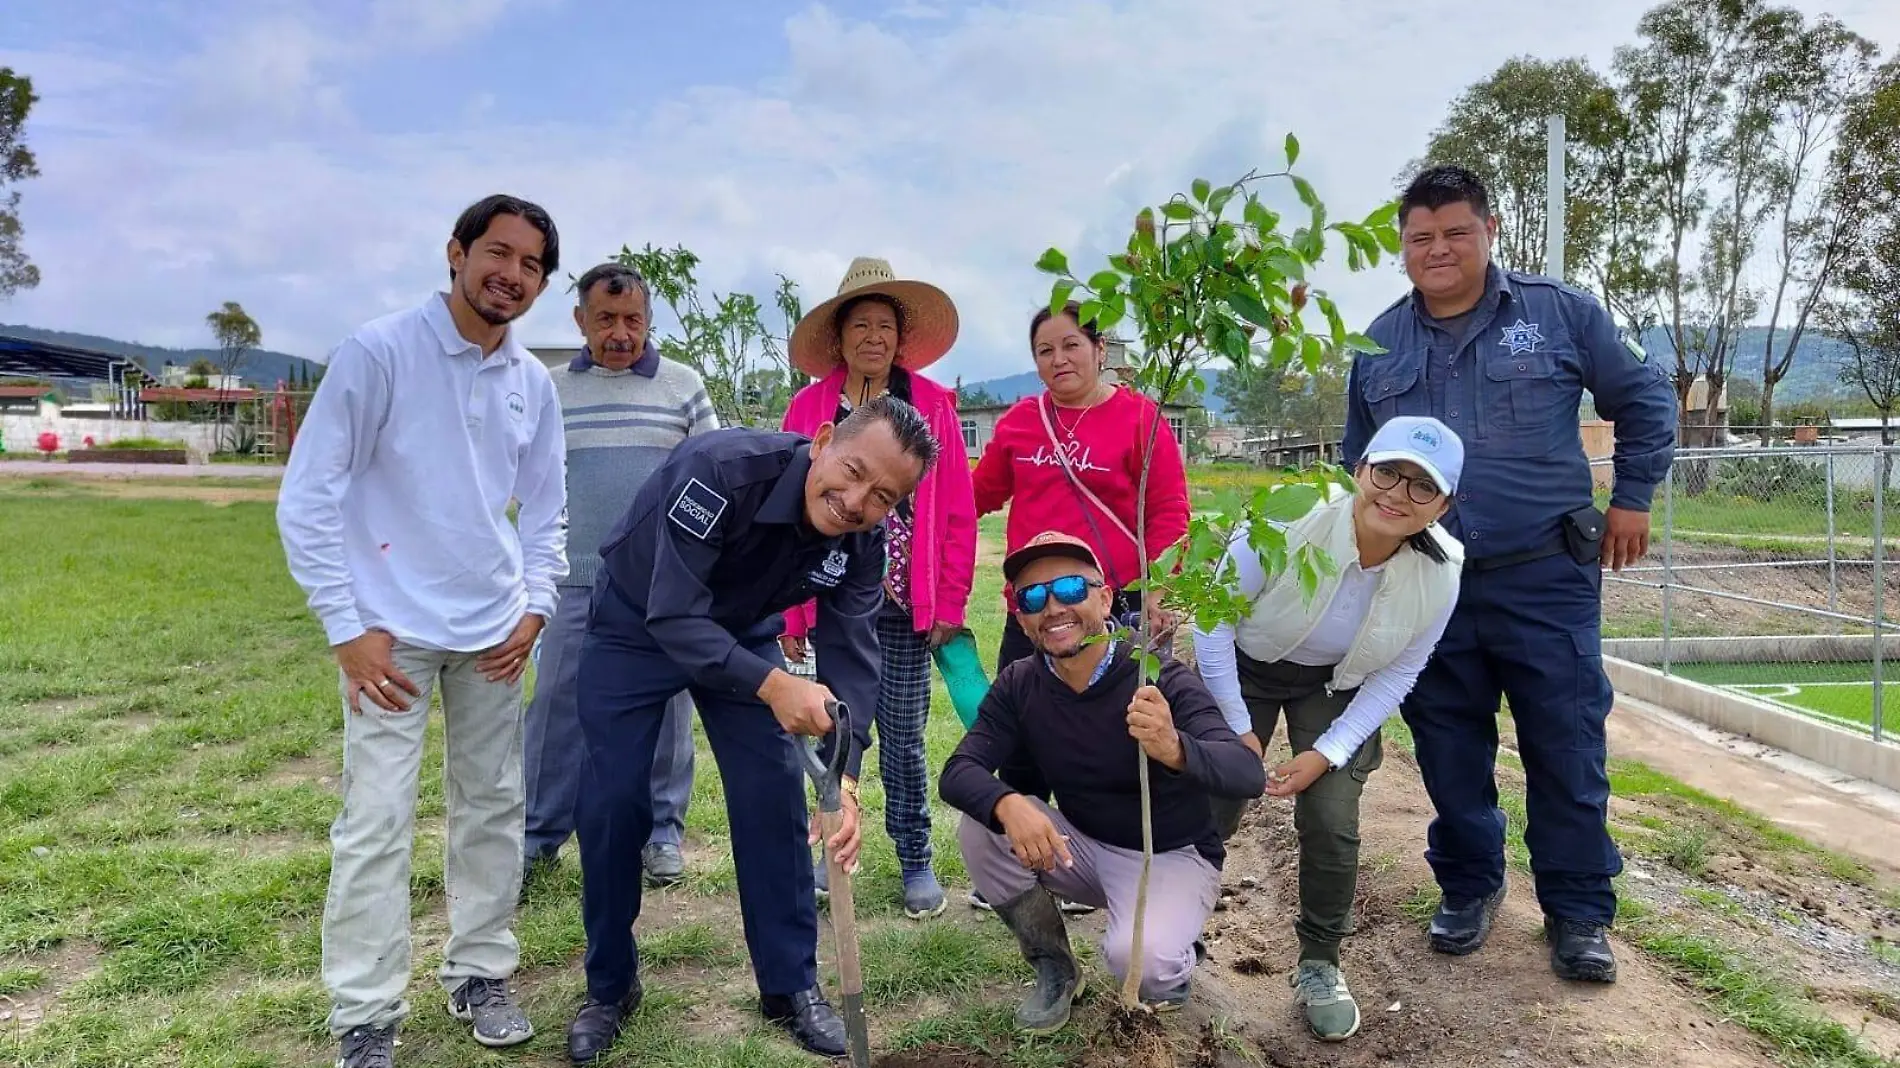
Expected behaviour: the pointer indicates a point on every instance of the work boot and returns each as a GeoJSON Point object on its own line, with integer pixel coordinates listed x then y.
{"type": "Point", "coordinates": [368, 1047]}
{"type": "Point", "coordinates": [1172, 999]}
{"type": "Point", "coordinates": [662, 864]}
{"type": "Point", "coordinates": [598, 1025]}
{"type": "Point", "coordinates": [1037, 923]}
{"type": "Point", "coordinates": [485, 1003]}
{"type": "Point", "coordinates": [821, 877]}
{"type": "Point", "coordinates": [923, 897]}
{"type": "Point", "coordinates": [1320, 988]}
{"type": "Point", "coordinates": [1461, 923]}
{"type": "Point", "coordinates": [1580, 949]}
{"type": "Point", "coordinates": [810, 1019]}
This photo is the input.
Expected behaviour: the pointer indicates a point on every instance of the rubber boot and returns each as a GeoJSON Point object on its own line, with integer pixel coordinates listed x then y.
{"type": "Point", "coordinates": [1039, 928]}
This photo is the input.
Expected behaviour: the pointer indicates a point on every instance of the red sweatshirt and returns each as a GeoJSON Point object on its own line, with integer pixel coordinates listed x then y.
{"type": "Point", "coordinates": [1021, 466]}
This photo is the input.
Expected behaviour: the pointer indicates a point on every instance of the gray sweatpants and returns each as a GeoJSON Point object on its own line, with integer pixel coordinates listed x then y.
{"type": "Point", "coordinates": [1182, 888]}
{"type": "Point", "coordinates": [553, 745]}
{"type": "Point", "coordinates": [366, 943]}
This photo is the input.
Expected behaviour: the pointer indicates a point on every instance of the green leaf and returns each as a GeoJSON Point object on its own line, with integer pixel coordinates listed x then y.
{"type": "Point", "coordinates": [1362, 343]}
{"type": "Point", "coordinates": [1282, 352]}
{"type": "Point", "coordinates": [1091, 311]}
{"type": "Point", "coordinates": [1201, 188]}
{"type": "Point", "coordinates": [1389, 239]}
{"type": "Point", "coordinates": [1260, 217]}
{"type": "Point", "coordinates": [1248, 306]}
{"type": "Point", "coordinates": [1307, 196]}
{"type": "Point", "coordinates": [1104, 281]}
{"type": "Point", "coordinates": [1218, 202]}
{"type": "Point", "coordinates": [1059, 295]}
{"type": "Point", "coordinates": [1312, 351]}
{"type": "Point", "coordinates": [1288, 502]}
{"type": "Point", "coordinates": [1292, 149]}
{"type": "Point", "coordinates": [1178, 210]}
{"type": "Point", "coordinates": [1053, 261]}
{"type": "Point", "coordinates": [1385, 216]}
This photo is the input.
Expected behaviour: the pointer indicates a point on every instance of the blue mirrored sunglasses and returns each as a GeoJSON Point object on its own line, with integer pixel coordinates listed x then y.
{"type": "Point", "coordinates": [1069, 589]}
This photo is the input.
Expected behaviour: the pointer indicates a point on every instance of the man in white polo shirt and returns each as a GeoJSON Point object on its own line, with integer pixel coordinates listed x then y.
{"type": "Point", "coordinates": [394, 517]}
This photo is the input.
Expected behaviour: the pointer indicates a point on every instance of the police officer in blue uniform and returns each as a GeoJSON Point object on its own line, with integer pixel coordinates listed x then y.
{"type": "Point", "coordinates": [737, 526]}
{"type": "Point", "coordinates": [1504, 358]}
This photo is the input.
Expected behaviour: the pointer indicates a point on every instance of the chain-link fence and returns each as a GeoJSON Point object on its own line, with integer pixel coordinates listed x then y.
{"type": "Point", "coordinates": [1767, 570]}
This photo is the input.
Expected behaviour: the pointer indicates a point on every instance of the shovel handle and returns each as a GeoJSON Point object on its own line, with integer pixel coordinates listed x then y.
{"type": "Point", "coordinates": [828, 776]}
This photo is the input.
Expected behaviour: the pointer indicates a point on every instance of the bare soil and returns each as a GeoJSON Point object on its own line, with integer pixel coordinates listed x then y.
{"type": "Point", "coordinates": [1499, 1006]}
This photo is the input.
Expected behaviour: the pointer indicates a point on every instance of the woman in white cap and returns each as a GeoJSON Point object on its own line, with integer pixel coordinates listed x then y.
{"type": "Point", "coordinates": [876, 337]}
{"type": "Point", "coordinates": [1337, 665]}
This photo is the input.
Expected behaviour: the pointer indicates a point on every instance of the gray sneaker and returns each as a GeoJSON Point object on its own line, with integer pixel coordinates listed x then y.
{"type": "Point", "coordinates": [498, 1020]}
{"type": "Point", "coordinates": [1320, 988]}
{"type": "Point", "coordinates": [923, 897]}
{"type": "Point", "coordinates": [368, 1047]}
{"type": "Point", "coordinates": [662, 863]}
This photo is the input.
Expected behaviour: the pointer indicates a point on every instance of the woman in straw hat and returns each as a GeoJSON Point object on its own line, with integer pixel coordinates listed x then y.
{"type": "Point", "coordinates": [876, 337]}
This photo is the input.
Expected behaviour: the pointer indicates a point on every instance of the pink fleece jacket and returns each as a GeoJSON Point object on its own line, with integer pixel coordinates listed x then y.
{"type": "Point", "coordinates": [943, 539]}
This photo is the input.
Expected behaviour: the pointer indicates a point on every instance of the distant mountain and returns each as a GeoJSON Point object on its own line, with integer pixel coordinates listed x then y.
{"type": "Point", "coordinates": [1815, 372]}
{"type": "Point", "coordinates": [261, 367]}
{"type": "Point", "coordinates": [1016, 387]}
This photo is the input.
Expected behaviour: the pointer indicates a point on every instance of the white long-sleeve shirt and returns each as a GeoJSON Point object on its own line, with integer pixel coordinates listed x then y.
{"type": "Point", "coordinates": [394, 507]}
{"type": "Point", "coordinates": [1378, 696]}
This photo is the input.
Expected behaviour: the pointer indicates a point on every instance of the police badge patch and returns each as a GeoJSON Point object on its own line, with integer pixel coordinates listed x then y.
{"type": "Point", "coordinates": [697, 508]}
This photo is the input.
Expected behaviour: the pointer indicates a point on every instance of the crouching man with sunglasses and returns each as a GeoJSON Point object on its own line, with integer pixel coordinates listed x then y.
{"type": "Point", "coordinates": [1080, 715]}
{"type": "Point", "coordinates": [1336, 665]}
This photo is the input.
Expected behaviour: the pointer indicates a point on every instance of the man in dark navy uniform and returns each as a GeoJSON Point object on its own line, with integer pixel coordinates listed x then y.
{"type": "Point", "coordinates": [737, 526]}
{"type": "Point", "coordinates": [1504, 358]}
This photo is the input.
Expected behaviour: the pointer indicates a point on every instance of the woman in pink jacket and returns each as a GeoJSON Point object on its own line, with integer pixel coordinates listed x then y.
{"type": "Point", "coordinates": [875, 337]}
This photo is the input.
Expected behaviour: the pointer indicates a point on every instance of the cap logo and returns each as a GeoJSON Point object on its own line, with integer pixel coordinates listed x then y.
{"type": "Point", "coordinates": [1426, 438]}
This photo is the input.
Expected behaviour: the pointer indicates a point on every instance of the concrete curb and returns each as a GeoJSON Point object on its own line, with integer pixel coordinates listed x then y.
{"type": "Point", "coordinates": [1845, 751]}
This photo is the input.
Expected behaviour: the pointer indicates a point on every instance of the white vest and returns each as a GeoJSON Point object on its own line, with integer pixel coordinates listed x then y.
{"type": "Point", "coordinates": [1412, 592]}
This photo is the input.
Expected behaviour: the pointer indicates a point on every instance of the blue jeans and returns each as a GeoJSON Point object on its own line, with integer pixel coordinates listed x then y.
{"type": "Point", "coordinates": [552, 747]}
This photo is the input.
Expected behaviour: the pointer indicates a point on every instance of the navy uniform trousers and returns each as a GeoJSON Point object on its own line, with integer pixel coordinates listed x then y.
{"type": "Point", "coordinates": [1530, 632]}
{"type": "Point", "coordinates": [625, 682]}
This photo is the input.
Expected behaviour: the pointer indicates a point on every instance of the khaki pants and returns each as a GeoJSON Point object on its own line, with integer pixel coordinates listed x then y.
{"type": "Point", "coordinates": [366, 942]}
{"type": "Point", "coordinates": [1182, 887]}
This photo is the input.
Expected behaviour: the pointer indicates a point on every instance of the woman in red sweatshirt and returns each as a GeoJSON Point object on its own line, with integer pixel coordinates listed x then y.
{"type": "Point", "coordinates": [1069, 459]}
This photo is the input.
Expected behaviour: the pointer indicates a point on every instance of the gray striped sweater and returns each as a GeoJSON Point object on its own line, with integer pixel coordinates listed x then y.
{"type": "Point", "coordinates": [620, 426]}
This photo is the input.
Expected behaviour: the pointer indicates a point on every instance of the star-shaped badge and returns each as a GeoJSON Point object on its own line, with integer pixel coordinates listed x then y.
{"type": "Point", "coordinates": [1522, 337]}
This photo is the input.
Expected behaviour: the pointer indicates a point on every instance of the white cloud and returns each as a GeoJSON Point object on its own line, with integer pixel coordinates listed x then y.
{"type": "Point", "coordinates": [957, 147]}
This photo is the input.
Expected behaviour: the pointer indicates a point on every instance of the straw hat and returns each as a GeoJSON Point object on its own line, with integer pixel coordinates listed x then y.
{"type": "Point", "coordinates": [930, 320]}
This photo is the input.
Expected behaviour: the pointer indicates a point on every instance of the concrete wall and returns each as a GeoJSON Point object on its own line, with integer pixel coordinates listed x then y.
{"type": "Point", "coordinates": [1819, 648]}
{"type": "Point", "coordinates": [1854, 754]}
{"type": "Point", "coordinates": [20, 433]}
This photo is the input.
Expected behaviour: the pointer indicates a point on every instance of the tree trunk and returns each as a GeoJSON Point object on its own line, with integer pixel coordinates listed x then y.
{"type": "Point", "coordinates": [1768, 384]}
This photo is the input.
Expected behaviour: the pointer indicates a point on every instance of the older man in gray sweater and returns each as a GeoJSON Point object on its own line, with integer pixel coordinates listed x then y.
{"type": "Point", "coordinates": [623, 408]}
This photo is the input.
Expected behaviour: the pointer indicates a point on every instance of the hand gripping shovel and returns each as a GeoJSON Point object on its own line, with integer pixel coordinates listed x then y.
{"type": "Point", "coordinates": [844, 921]}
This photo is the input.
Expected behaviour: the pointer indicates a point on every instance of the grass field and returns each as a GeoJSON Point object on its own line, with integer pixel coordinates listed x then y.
{"type": "Point", "coordinates": [1838, 691]}
{"type": "Point", "coordinates": [169, 741]}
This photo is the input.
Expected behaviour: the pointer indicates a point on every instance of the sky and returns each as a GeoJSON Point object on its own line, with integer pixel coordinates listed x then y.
{"type": "Point", "coordinates": [308, 160]}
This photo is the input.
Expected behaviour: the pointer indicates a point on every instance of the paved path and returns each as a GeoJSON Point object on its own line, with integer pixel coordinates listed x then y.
{"type": "Point", "coordinates": [45, 469]}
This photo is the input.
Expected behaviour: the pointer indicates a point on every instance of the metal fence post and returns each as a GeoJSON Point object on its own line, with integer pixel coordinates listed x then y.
{"type": "Point", "coordinates": [1880, 581]}
{"type": "Point", "coordinates": [1669, 557]}
{"type": "Point", "coordinates": [1833, 571]}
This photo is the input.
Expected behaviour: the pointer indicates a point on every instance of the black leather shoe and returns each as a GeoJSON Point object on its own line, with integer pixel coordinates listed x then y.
{"type": "Point", "coordinates": [598, 1025]}
{"type": "Point", "coordinates": [809, 1018]}
{"type": "Point", "coordinates": [1580, 949]}
{"type": "Point", "coordinates": [1461, 924]}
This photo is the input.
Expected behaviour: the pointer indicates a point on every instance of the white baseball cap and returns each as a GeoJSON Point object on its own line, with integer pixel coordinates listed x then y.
{"type": "Point", "coordinates": [1424, 441]}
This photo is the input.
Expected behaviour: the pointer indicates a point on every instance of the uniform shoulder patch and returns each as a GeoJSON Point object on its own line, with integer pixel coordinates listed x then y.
{"type": "Point", "coordinates": [697, 508]}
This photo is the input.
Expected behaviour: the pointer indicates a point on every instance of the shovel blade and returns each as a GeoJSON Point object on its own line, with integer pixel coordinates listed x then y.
{"type": "Point", "coordinates": [857, 1038]}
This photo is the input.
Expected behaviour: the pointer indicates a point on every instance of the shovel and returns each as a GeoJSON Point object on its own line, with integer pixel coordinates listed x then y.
{"type": "Point", "coordinates": [844, 922]}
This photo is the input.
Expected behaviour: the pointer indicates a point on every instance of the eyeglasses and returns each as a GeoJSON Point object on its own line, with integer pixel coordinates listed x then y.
{"type": "Point", "coordinates": [1069, 589]}
{"type": "Point", "coordinates": [1420, 490]}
